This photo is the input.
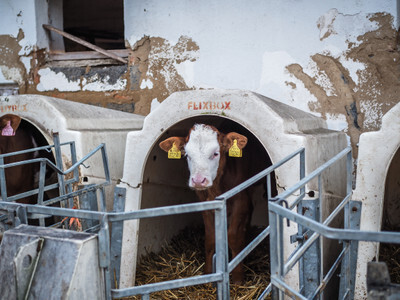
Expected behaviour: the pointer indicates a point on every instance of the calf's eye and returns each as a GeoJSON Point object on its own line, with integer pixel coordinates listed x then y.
{"type": "Point", "coordinates": [214, 155]}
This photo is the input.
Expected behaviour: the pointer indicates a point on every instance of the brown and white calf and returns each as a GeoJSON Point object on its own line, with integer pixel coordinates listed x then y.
{"type": "Point", "coordinates": [14, 136]}
{"type": "Point", "coordinates": [213, 172]}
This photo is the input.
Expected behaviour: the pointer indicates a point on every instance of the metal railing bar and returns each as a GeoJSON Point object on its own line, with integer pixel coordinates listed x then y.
{"type": "Point", "coordinates": [285, 194]}
{"type": "Point", "coordinates": [166, 285]}
{"type": "Point", "coordinates": [298, 252]}
{"type": "Point", "coordinates": [76, 193]}
{"type": "Point", "coordinates": [244, 185]}
{"type": "Point", "coordinates": [53, 166]}
{"type": "Point", "coordinates": [337, 210]}
{"type": "Point", "coordinates": [337, 233]}
{"type": "Point", "coordinates": [56, 211]}
{"type": "Point", "coordinates": [31, 192]}
{"type": "Point", "coordinates": [266, 292]}
{"type": "Point", "coordinates": [35, 191]}
{"type": "Point", "coordinates": [117, 216]}
{"type": "Point", "coordinates": [82, 160]}
{"type": "Point", "coordinates": [166, 210]}
{"type": "Point", "coordinates": [330, 273]}
{"type": "Point", "coordinates": [250, 247]}
{"type": "Point", "coordinates": [345, 296]}
{"type": "Point", "coordinates": [51, 187]}
{"type": "Point", "coordinates": [280, 284]}
{"type": "Point", "coordinates": [297, 200]}
{"type": "Point", "coordinates": [32, 150]}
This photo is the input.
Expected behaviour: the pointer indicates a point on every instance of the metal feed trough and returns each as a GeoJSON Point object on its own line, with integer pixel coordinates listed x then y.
{"type": "Point", "coordinates": [310, 227]}
{"type": "Point", "coordinates": [13, 214]}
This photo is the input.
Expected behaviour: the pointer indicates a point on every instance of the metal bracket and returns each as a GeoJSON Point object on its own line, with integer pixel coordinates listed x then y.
{"type": "Point", "coordinates": [21, 216]}
{"type": "Point", "coordinates": [294, 238]}
{"type": "Point", "coordinates": [25, 263]}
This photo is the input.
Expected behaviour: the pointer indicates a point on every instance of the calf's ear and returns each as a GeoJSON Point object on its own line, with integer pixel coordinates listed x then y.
{"type": "Point", "coordinates": [231, 137]}
{"type": "Point", "coordinates": [13, 119]}
{"type": "Point", "coordinates": [167, 144]}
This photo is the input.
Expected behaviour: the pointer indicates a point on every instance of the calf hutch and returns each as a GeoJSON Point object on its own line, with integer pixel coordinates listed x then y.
{"type": "Point", "coordinates": [378, 188]}
{"type": "Point", "coordinates": [86, 125]}
{"type": "Point", "coordinates": [273, 130]}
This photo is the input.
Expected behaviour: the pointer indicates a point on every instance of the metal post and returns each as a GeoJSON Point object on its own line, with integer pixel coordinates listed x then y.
{"type": "Point", "coordinates": [349, 263]}
{"type": "Point", "coordinates": [102, 199]}
{"type": "Point", "coordinates": [300, 230]}
{"type": "Point", "coordinates": [105, 163]}
{"type": "Point", "coordinates": [302, 168]}
{"type": "Point", "coordinates": [42, 178]}
{"type": "Point", "coordinates": [311, 260]}
{"type": "Point", "coordinates": [321, 240]}
{"type": "Point", "coordinates": [3, 186]}
{"type": "Point", "coordinates": [116, 235]}
{"type": "Point", "coordinates": [88, 201]}
{"type": "Point", "coordinates": [345, 277]}
{"type": "Point", "coordinates": [74, 160]}
{"type": "Point", "coordinates": [75, 173]}
{"type": "Point", "coordinates": [104, 254]}
{"type": "Point", "coordinates": [276, 252]}
{"type": "Point", "coordinates": [21, 216]}
{"type": "Point", "coordinates": [59, 162]}
{"type": "Point", "coordinates": [221, 251]}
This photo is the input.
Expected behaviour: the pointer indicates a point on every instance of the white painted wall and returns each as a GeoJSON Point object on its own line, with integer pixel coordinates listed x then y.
{"type": "Point", "coordinates": [243, 45]}
{"type": "Point", "coordinates": [27, 17]}
{"type": "Point", "coordinates": [16, 15]}
{"type": "Point", "coordinates": [247, 45]}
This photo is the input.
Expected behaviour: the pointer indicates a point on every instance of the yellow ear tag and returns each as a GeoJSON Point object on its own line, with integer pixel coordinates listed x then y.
{"type": "Point", "coordinates": [235, 151]}
{"type": "Point", "coordinates": [174, 152]}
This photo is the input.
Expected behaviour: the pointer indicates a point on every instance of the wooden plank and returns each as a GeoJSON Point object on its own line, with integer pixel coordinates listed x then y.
{"type": "Point", "coordinates": [81, 55]}
{"type": "Point", "coordinates": [85, 43]}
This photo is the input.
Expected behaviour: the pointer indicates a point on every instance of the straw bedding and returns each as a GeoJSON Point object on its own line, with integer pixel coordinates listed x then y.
{"type": "Point", "coordinates": [184, 257]}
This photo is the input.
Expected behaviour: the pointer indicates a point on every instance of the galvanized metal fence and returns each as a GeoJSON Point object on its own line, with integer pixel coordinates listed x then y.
{"type": "Point", "coordinates": [308, 250]}
{"type": "Point", "coordinates": [109, 243]}
{"type": "Point", "coordinates": [311, 228]}
{"type": "Point", "coordinates": [63, 185]}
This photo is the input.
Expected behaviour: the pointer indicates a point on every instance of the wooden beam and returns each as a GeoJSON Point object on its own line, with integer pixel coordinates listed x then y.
{"type": "Point", "coordinates": [84, 55]}
{"type": "Point", "coordinates": [85, 43]}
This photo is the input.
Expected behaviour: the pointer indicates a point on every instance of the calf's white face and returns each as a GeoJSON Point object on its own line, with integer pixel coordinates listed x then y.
{"type": "Point", "coordinates": [203, 149]}
{"type": "Point", "coordinates": [203, 155]}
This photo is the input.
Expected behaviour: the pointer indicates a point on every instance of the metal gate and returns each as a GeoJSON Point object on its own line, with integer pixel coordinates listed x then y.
{"type": "Point", "coordinates": [310, 229]}
{"type": "Point", "coordinates": [110, 243]}
{"type": "Point", "coordinates": [313, 279]}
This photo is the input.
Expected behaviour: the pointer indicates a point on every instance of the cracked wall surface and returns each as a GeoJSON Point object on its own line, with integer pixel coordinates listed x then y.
{"type": "Point", "coordinates": [11, 65]}
{"type": "Point", "coordinates": [152, 74]}
{"type": "Point", "coordinates": [157, 63]}
{"type": "Point", "coordinates": [364, 98]}
{"type": "Point", "coordinates": [339, 63]}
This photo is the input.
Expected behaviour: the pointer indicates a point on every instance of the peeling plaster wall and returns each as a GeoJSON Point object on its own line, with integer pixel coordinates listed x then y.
{"type": "Point", "coordinates": [339, 60]}
{"type": "Point", "coordinates": [336, 59]}
{"type": "Point", "coordinates": [17, 40]}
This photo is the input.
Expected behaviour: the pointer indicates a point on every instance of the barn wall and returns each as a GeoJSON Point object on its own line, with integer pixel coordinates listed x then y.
{"type": "Point", "coordinates": [339, 60]}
